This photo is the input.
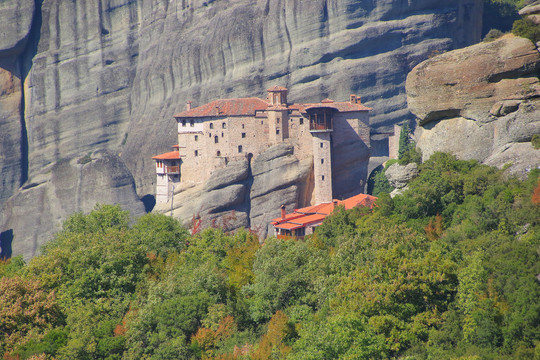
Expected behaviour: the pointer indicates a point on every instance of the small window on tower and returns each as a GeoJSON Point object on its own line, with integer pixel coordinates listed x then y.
{"type": "Point", "coordinates": [221, 134]}
{"type": "Point", "coordinates": [216, 139]}
{"type": "Point", "coordinates": [196, 137]}
{"type": "Point", "coordinates": [211, 125]}
{"type": "Point", "coordinates": [277, 131]}
{"type": "Point", "coordinates": [277, 120]}
{"type": "Point", "coordinates": [321, 145]}
{"type": "Point", "coordinates": [322, 177]}
{"type": "Point", "coordinates": [196, 152]}
{"type": "Point", "coordinates": [243, 135]}
{"type": "Point", "coordinates": [322, 161]}
{"type": "Point", "coordinates": [223, 125]}
{"type": "Point", "coordinates": [242, 126]}
{"type": "Point", "coordinates": [239, 148]}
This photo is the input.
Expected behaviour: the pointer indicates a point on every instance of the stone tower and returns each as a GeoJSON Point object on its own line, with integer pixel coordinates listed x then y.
{"type": "Point", "coordinates": [278, 115]}
{"type": "Point", "coordinates": [321, 127]}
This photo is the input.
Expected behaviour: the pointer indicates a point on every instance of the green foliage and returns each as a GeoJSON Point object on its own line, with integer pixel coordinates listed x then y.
{"type": "Point", "coordinates": [535, 141]}
{"type": "Point", "coordinates": [500, 14]}
{"type": "Point", "coordinates": [404, 140]}
{"type": "Point", "coordinates": [446, 270]}
{"type": "Point", "coordinates": [378, 183]}
{"type": "Point", "coordinates": [407, 153]}
{"type": "Point", "coordinates": [527, 28]}
{"type": "Point", "coordinates": [492, 35]}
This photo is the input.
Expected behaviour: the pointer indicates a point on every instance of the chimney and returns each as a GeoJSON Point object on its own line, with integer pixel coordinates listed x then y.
{"type": "Point", "coordinates": [188, 106]}
{"type": "Point", "coordinates": [282, 211]}
{"type": "Point", "coordinates": [353, 99]}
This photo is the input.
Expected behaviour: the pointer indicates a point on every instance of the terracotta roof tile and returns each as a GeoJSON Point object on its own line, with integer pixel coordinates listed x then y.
{"type": "Point", "coordinates": [173, 155]}
{"type": "Point", "coordinates": [317, 213]}
{"type": "Point", "coordinates": [277, 88]}
{"type": "Point", "coordinates": [226, 107]}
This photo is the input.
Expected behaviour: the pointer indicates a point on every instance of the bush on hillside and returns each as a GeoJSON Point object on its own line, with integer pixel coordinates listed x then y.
{"type": "Point", "coordinates": [527, 28]}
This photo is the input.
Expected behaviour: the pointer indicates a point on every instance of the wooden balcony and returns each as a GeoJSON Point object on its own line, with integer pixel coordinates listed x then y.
{"type": "Point", "coordinates": [172, 169]}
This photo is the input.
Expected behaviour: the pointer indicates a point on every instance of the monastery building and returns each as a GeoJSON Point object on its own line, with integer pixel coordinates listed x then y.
{"type": "Point", "coordinates": [211, 135]}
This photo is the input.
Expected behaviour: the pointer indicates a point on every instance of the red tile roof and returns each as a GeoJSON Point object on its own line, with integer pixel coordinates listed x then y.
{"type": "Point", "coordinates": [339, 106]}
{"type": "Point", "coordinates": [227, 107]}
{"type": "Point", "coordinates": [173, 155]}
{"type": "Point", "coordinates": [277, 88]}
{"type": "Point", "coordinates": [317, 213]}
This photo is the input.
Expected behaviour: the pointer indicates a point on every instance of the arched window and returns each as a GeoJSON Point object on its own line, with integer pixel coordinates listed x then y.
{"type": "Point", "coordinates": [218, 153]}
{"type": "Point", "coordinates": [211, 125]}
{"type": "Point", "coordinates": [216, 139]}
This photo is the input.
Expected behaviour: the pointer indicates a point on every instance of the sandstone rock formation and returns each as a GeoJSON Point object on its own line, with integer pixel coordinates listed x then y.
{"type": "Point", "coordinates": [532, 11]}
{"type": "Point", "coordinates": [73, 185]}
{"type": "Point", "coordinates": [246, 193]}
{"type": "Point", "coordinates": [91, 75]}
{"type": "Point", "coordinates": [399, 175]}
{"type": "Point", "coordinates": [481, 102]}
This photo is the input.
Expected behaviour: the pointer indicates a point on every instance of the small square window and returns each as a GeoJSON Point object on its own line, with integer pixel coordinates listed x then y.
{"type": "Point", "coordinates": [243, 135]}
{"type": "Point", "coordinates": [277, 131]}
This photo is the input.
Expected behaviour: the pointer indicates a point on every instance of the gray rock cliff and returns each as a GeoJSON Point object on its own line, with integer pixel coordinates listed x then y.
{"type": "Point", "coordinates": [72, 186]}
{"type": "Point", "coordinates": [246, 193]}
{"type": "Point", "coordinates": [86, 76]}
{"type": "Point", "coordinates": [481, 102]}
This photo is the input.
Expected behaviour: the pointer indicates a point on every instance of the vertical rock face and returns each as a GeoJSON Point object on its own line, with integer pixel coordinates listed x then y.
{"type": "Point", "coordinates": [71, 187]}
{"type": "Point", "coordinates": [93, 75]}
{"type": "Point", "coordinates": [480, 102]}
{"type": "Point", "coordinates": [316, 48]}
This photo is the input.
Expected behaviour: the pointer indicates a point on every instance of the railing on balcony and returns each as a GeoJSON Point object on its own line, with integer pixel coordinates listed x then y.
{"type": "Point", "coordinates": [172, 169]}
{"type": "Point", "coordinates": [321, 121]}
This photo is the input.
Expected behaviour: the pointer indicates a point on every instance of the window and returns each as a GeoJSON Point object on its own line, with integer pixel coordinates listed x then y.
{"type": "Point", "coordinates": [184, 123]}
{"type": "Point", "coordinates": [277, 120]}
{"type": "Point", "coordinates": [218, 153]}
{"type": "Point", "coordinates": [211, 125]}
{"type": "Point", "coordinates": [262, 122]}
{"type": "Point", "coordinates": [216, 139]}
{"type": "Point", "coordinates": [196, 137]}
{"type": "Point", "coordinates": [242, 126]}
{"type": "Point", "coordinates": [223, 125]}
{"type": "Point", "coordinates": [209, 134]}
{"type": "Point", "coordinates": [322, 161]}
{"type": "Point", "coordinates": [191, 123]}
{"type": "Point", "coordinates": [196, 152]}
{"type": "Point", "coordinates": [243, 135]}
{"type": "Point", "coordinates": [277, 131]}
{"type": "Point", "coordinates": [301, 121]}
{"type": "Point", "coordinates": [321, 145]}
{"type": "Point", "coordinates": [239, 148]}
{"type": "Point", "coordinates": [322, 177]}
{"type": "Point", "coordinates": [221, 134]}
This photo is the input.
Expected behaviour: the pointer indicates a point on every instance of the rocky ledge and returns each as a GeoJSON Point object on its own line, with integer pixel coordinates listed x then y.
{"type": "Point", "coordinates": [481, 102]}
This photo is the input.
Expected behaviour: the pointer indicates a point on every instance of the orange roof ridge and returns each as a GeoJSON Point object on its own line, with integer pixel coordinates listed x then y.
{"type": "Point", "coordinates": [172, 155]}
